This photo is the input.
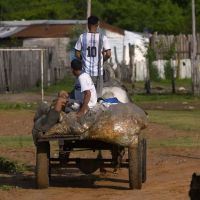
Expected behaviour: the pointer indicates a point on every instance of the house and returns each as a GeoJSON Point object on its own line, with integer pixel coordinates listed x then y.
{"type": "Point", "coordinates": [56, 34]}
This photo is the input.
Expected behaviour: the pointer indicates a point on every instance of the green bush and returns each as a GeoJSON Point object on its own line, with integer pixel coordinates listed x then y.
{"type": "Point", "coordinates": [8, 166]}
{"type": "Point", "coordinates": [154, 75]}
{"type": "Point", "coordinates": [6, 187]}
{"type": "Point", "coordinates": [168, 71]}
{"type": "Point", "coordinates": [153, 70]}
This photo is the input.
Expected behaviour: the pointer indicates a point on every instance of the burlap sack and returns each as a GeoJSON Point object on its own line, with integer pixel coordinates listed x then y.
{"type": "Point", "coordinates": [119, 124]}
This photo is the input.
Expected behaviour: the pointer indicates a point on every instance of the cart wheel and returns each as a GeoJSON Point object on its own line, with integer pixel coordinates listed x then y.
{"type": "Point", "coordinates": [42, 165]}
{"type": "Point", "coordinates": [144, 160]}
{"type": "Point", "coordinates": [135, 166]}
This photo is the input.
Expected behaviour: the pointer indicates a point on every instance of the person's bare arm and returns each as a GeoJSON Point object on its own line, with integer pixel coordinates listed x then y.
{"type": "Point", "coordinates": [84, 107]}
{"type": "Point", "coordinates": [106, 55]}
{"type": "Point", "coordinates": [78, 54]}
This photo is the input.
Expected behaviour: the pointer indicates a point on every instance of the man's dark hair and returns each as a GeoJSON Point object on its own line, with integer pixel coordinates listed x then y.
{"type": "Point", "coordinates": [93, 20]}
{"type": "Point", "coordinates": [76, 64]}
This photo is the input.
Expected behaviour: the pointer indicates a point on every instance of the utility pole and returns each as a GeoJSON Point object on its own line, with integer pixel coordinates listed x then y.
{"type": "Point", "coordinates": [194, 61]}
{"type": "Point", "coordinates": [88, 8]}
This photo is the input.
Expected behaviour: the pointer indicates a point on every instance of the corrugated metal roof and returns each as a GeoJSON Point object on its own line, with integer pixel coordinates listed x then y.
{"type": "Point", "coordinates": [37, 22]}
{"type": "Point", "coordinates": [45, 28]}
{"type": "Point", "coordinates": [9, 31]}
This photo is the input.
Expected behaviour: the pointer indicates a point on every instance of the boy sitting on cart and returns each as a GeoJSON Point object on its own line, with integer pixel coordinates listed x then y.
{"type": "Point", "coordinates": [84, 93]}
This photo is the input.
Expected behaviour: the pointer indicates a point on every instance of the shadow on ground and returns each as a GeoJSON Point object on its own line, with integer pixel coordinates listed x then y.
{"type": "Point", "coordinates": [71, 178]}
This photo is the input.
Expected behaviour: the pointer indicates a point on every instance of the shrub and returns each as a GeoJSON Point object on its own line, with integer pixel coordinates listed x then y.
{"type": "Point", "coordinates": [168, 71]}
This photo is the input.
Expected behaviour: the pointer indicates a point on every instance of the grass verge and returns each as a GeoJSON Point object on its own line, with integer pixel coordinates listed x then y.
{"type": "Point", "coordinates": [16, 141]}
{"type": "Point", "coordinates": [6, 187]}
{"type": "Point", "coordinates": [180, 120]}
{"type": "Point", "coordinates": [17, 106]}
{"type": "Point", "coordinates": [156, 98]}
{"type": "Point", "coordinates": [187, 121]}
{"type": "Point", "coordinates": [187, 141]}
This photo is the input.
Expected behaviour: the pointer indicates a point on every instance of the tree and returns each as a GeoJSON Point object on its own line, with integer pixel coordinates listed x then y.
{"type": "Point", "coordinates": [163, 16]}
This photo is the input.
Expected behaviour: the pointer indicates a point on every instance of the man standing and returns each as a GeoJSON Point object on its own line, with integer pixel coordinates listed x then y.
{"type": "Point", "coordinates": [93, 49]}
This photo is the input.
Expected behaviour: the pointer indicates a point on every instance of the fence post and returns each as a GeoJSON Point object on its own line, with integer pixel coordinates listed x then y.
{"type": "Point", "coordinates": [118, 69]}
{"type": "Point", "coordinates": [132, 64]}
{"type": "Point", "coordinates": [42, 74]}
{"type": "Point", "coordinates": [147, 81]}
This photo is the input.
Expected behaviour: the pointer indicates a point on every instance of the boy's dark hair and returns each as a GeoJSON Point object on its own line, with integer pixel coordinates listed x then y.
{"type": "Point", "coordinates": [76, 64]}
{"type": "Point", "coordinates": [93, 20]}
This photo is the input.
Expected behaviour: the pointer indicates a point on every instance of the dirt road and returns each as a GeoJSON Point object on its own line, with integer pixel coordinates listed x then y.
{"type": "Point", "coordinates": [169, 170]}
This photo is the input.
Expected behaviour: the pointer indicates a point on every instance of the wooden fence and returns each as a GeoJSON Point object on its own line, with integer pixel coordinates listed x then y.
{"type": "Point", "coordinates": [20, 69]}
{"type": "Point", "coordinates": [176, 48]}
{"type": "Point", "coordinates": [161, 44]}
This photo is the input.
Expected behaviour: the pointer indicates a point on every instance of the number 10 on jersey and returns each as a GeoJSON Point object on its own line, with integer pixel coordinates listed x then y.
{"type": "Point", "coordinates": [92, 51]}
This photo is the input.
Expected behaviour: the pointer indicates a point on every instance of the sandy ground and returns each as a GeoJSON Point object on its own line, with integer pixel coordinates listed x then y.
{"type": "Point", "coordinates": [169, 170]}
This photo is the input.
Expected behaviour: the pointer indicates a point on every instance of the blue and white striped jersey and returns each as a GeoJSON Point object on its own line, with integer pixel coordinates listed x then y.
{"type": "Point", "coordinates": [88, 45]}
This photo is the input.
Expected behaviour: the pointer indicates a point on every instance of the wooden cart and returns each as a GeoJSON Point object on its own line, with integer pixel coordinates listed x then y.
{"type": "Point", "coordinates": [136, 162]}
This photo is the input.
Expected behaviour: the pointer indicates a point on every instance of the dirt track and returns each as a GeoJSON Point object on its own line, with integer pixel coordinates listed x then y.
{"type": "Point", "coordinates": [169, 170]}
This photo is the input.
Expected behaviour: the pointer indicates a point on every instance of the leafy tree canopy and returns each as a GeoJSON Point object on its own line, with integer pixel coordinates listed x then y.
{"type": "Point", "coordinates": [163, 16]}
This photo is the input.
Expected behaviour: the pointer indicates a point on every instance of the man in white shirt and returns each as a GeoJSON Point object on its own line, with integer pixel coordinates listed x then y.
{"type": "Point", "coordinates": [93, 49]}
{"type": "Point", "coordinates": [84, 90]}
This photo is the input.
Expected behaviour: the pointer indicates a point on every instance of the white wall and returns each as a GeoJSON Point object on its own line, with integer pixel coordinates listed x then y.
{"type": "Point", "coordinates": [140, 42]}
{"type": "Point", "coordinates": [115, 40]}
{"type": "Point", "coordinates": [118, 41]}
{"type": "Point", "coordinates": [184, 68]}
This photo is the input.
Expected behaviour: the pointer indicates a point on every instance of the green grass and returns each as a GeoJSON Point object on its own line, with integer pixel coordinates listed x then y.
{"type": "Point", "coordinates": [156, 98]}
{"type": "Point", "coordinates": [180, 120]}
{"type": "Point", "coordinates": [17, 106]}
{"type": "Point", "coordinates": [187, 121]}
{"type": "Point", "coordinates": [187, 141]}
{"type": "Point", "coordinates": [166, 84]}
{"type": "Point", "coordinates": [66, 84]}
{"type": "Point", "coordinates": [6, 187]}
{"type": "Point", "coordinates": [16, 141]}
{"type": "Point", "coordinates": [164, 96]}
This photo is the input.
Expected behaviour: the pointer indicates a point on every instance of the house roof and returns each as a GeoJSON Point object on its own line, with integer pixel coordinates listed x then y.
{"type": "Point", "coordinates": [45, 28]}
{"type": "Point", "coordinates": [6, 31]}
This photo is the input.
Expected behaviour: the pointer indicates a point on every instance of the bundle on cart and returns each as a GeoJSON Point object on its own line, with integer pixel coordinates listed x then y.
{"type": "Point", "coordinates": [114, 128]}
{"type": "Point", "coordinates": [118, 124]}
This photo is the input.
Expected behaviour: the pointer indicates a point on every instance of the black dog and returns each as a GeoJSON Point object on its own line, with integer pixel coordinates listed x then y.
{"type": "Point", "coordinates": [194, 192]}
